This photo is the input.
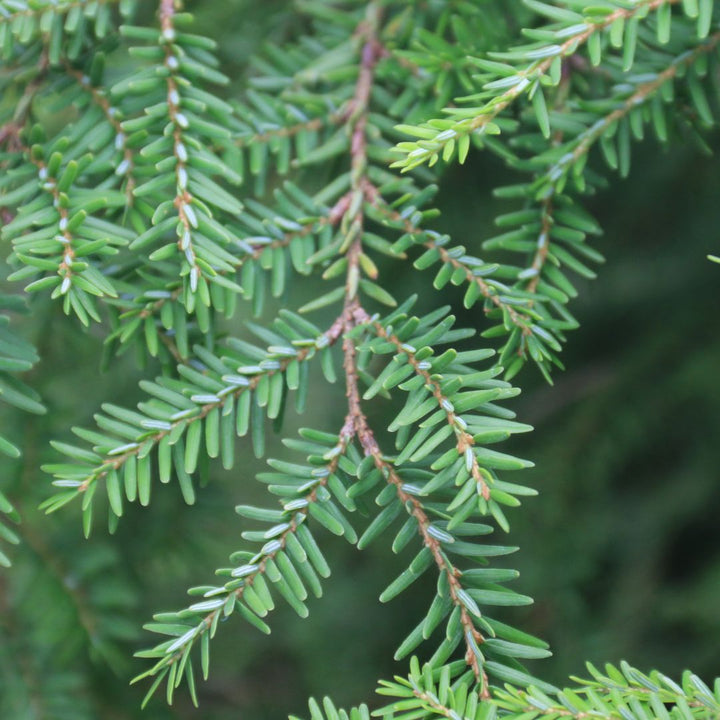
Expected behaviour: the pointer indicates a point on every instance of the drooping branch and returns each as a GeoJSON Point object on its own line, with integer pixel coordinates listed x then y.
{"type": "Point", "coordinates": [465, 440]}
{"type": "Point", "coordinates": [642, 92]}
{"type": "Point", "coordinates": [435, 143]}
{"type": "Point", "coordinates": [357, 424]}
{"type": "Point", "coordinates": [366, 437]}
{"type": "Point", "coordinates": [353, 314]}
{"type": "Point", "coordinates": [221, 602]}
{"type": "Point", "coordinates": [350, 213]}
{"type": "Point", "coordinates": [179, 122]}
{"type": "Point", "coordinates": [127, 165]}
{"type": "Point", "coordinates": [137, 434]}
{"type": "Point", "coordinates": [153, 306]}
{"type": "Point", "coordinates": [484, 288]}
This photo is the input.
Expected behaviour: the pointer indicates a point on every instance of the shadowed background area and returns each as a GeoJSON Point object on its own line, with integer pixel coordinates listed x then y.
{"type": "Point", "coordinates": [621, 549]}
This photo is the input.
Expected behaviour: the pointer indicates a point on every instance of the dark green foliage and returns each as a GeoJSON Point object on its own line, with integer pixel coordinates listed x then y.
{"type": "Point", "coordinates": [156, 204]}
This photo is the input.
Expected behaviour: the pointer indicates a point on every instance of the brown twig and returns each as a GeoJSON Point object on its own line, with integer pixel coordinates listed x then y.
{"type": "Point", "coordinates": [297, 520]}
{"type": "Point", "coordinates": [370, 446]}
{"type": "Point", "coordinates": [547, 204]}
{"type": "Point", "coordinates": [533, 72]}
{"type": "Point", "coordinates": [183, 198]}
{"type": "Point", "coordinates": [486, 290]}
{"type": "Point", "coordinates": [127, 164]}
{"type": "Point", "coordinates": [356, 114]}
{"type": "Point", "coordinates": [353, 315]}
{"type": "Point", "coordinates": [289, 131]}
{"type": "Point", "coordinates": [114, 462]}
{"type": "Point", "coordinates": [465, 440]}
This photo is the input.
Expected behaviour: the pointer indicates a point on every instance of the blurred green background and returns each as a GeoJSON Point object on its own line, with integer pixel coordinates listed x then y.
{"type": "Point", "coordinates": [621, 550]}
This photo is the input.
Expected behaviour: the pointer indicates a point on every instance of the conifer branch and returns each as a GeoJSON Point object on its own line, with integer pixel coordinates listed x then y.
{"type": "Point", "coordinates": [203, 617]}
{"type": "Point", "coordinates": [62, 6]}
{"type": "Point", "coordinates": [76, 277]}
{"type": "Point", "coordinates": [472, 636]}
{"type": "Point", "coordinates": [546, 216]}
{"type": "Point", "coordinates": [328, 100]}
{"type": "Point", "coordinates": [139, 433]}
{"type": "Point", "coordinates": [465, 440]}
{"type": "Point", "coordinates": [437, 143]}
{"type": "Point", "coordinates": [354, 314]}
{"type": "Point", "coordinates": [641, 93]}
{"type": "Point", "coordinates": [126, 167]}
{"type": "Point", "coordinates": [183, 199]}
{"type": "Point", "coordinates": [266, 136]}
{"type": "Point", "coordinates": [358, 425]}
{"type": "Point", "coordinates": [459, 263]}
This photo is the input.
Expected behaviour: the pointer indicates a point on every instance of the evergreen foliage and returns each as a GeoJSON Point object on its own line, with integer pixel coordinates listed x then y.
{"type": "Point", "coordinates": [154, 208]}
